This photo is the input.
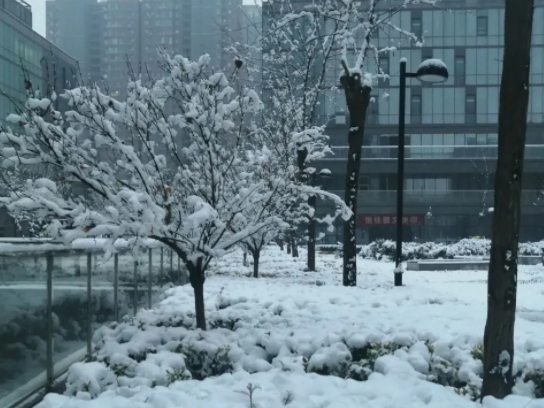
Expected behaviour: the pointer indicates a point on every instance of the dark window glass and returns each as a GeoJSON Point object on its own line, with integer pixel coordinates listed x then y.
{"type": "Point", "coordinates": [415, 109]}
{"type": "Point", "coordinates": [383, 63]}
{"type": "Point", "coordinates": [470, 109]}
{"type": "Point", "coordinates": [460, 70]}
{"type": "Point", "coordinates": [481, 25]}
{"type": "Point", "coordinates": [373, 111]}
{"type": "Point", "coordinates": [416, 27]}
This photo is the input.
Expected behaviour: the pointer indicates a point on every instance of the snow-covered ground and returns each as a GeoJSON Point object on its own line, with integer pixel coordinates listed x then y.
{"type": "Point", "coordinates": [307, 342]}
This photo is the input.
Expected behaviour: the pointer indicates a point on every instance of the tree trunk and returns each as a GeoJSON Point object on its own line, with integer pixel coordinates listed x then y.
{"type": "Point", "coordinates": [256, 256]}
{"type": "Point", "coordinates": [197, 278]}
{"type": "Point", "coordinates": [288, 244]}
{"type": "Point", "coordinates": [502, 277]}
{"type": "Point", "coordinates": [245, 259]}
{"type": "Point", "coordinates": [294, 246]}
{"type": "Point", "coordinates": [357, 100]}
{"type": "Point", "coordinates": [280, 243]}
{"type": "Point", "coordinates": [311, 233]}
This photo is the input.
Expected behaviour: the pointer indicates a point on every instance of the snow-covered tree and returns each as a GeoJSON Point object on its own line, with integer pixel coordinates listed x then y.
{"type": "Point", "coordinates": [352, 26]}
{"type": "Point", "coordinates": [286, 197]}
{"type": "Point", "coordinates": [289, 60]}
{"type": "Point", "coordinates": [169, 163]}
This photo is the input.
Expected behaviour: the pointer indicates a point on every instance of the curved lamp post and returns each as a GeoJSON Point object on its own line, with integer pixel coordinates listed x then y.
{"type": "Point", "coordinates": [430, 71]}
{"type": "Point", "coordinates": [312, 203]}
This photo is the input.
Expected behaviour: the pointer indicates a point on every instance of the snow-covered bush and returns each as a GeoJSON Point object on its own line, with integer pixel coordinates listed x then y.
{"type": "Point", "coordinates": [477, 247]}
{"type": "Point", "coordinates": [158, 347]}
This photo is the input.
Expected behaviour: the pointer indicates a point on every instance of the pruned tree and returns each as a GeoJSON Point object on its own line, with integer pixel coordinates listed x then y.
{"type": "Point", "coordinates": [169, 163]}
{"type": "Point", "coordinates": [498, 377]}
{"type": "Point", "coordinates": [352, 26]}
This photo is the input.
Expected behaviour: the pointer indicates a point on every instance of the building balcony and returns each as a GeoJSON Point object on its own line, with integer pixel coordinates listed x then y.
{"type": "Point", "coordinates": [431, 152]}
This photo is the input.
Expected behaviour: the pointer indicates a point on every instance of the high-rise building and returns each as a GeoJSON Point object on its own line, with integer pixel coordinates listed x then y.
{"type": "Point", "coordinates": [22, 50]}
{"type": "Point", "coordinates": [68, 25]}
{"type": "Point", "coordinates": [451, 128]}
{"type": "Point", "coordinates": [105, 35]}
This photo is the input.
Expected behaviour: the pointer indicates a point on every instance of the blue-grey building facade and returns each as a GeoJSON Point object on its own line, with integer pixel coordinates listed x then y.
{"type": "Point", "coordinates": [22, 49]}
{"type": "Point", "coordinates": [451, 131]}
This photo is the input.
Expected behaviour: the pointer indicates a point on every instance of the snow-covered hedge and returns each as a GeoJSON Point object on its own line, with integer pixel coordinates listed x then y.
{"type": "Point", "coordinates": [159, 347]}
{"type": "Point", "coordinates": [385, 249]}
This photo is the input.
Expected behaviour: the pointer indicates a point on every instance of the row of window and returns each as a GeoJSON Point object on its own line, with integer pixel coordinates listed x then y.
{"type": "Point", "coordinates": [459, 23]}
{"type": "Point", "coordinates": [433, 105]}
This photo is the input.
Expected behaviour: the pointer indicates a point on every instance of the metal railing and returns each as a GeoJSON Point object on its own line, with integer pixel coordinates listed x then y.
{"type": "Point", "coordinates": [53, 297]}
{"type": "Point", "coordinates": [432, 152]}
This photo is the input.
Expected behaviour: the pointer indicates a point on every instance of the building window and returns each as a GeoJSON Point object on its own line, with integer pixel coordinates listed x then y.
{"type": "Point", "coordinates": [416, 27]}
{"type": "Point", "coordinates": [373, 111]}
{"type": "Point", "coordinates": [364, 184]}
{"type": "Point", "coordinates": [459, 70]}
{"type": "Point", "coordinates": [470, 109]}
{"type": "Point", "coordinates": [426, 53]}
{"type": "Point", "coordinates": [415, 109]}
{"type": "Point", "coordinates": [383, 64]}
{"type": "Point", "coordinates": [481, 26]}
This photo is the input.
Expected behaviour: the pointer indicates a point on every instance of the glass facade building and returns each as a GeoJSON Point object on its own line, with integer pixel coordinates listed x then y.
{"type": "Point", "coordinates": [109, 33]}
{"type": "Point", "coordinates": [20, 47]}
{"type": "Point", "coordinates": [451, 128]}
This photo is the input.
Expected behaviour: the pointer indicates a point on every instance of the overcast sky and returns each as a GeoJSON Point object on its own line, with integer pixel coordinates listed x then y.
{"type": "Point", "coordinates": [38, 14]}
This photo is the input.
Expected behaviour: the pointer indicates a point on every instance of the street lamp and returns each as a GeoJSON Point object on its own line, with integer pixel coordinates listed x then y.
{"type": "Point", "coordinates": [312, 203]}
{"type": "Point", "coordinates": [431, 71]}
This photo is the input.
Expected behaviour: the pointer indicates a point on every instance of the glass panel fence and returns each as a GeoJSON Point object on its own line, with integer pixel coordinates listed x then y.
{"type": "Point", "coordinates": [52, 303]}
{"type": "Point", "coordinates": [23, 323]}
{"type": "Point", "coordinates": [69, 308]}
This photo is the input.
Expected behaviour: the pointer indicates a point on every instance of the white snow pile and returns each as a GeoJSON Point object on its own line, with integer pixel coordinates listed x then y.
{"type": "Point", "coordinates": [307, 345]}
{"type": "Point", "coordinates": [477, 247]}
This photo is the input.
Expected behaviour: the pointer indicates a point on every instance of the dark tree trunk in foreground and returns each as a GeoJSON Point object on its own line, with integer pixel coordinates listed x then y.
{"type": "Point", "coordinates": [357, 100]}
{"type": "Point", "coordinates": [288, 243]}
{"type": "Point", "coordinates": [502, 278]}
{"type": "Point", "coordinates": [197, 277]}
{"type": "Point", "coordinates": [312, 203]}
{"type": "Point", "coordinates": [256, 256]}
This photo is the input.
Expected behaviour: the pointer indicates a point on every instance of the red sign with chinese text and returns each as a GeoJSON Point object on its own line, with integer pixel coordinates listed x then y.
{"type": "Point", "coordinates": [384, 220]}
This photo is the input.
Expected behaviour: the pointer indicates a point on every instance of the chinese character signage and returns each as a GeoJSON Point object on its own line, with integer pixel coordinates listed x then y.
{"type": "Point", "coordinates": [379, 220]}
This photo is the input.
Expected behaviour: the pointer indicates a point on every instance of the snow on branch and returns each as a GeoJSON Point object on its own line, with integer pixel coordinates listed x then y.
{"type": "Point", "coordinates": [170, 162]}
{"type": "Point", "coordinates": [352, 27]}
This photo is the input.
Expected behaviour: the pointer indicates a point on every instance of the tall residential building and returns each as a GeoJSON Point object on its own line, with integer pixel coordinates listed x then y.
{"type": "Point", "coordinates": [104, 35]}
{"type": "Point", "coordinates": [20, 47]}
{"type": "Point", "coordinates": [451, 129]}
{"type": "Point", "coordinates": [68, 25]}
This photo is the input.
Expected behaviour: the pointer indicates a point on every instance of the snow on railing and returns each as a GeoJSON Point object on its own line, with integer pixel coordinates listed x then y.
{"type": "Point", "coordinates": [13, 246]}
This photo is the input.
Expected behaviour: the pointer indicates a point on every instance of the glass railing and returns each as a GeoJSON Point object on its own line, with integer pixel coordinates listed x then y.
{"type": "Point", "coordinates": [432, 152]}
{"type": "Point", "coordinates": [53, 298]}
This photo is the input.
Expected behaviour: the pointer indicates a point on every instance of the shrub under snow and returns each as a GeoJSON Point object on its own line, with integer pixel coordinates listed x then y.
{"type": "Point", "coordinates": [385, 249]}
